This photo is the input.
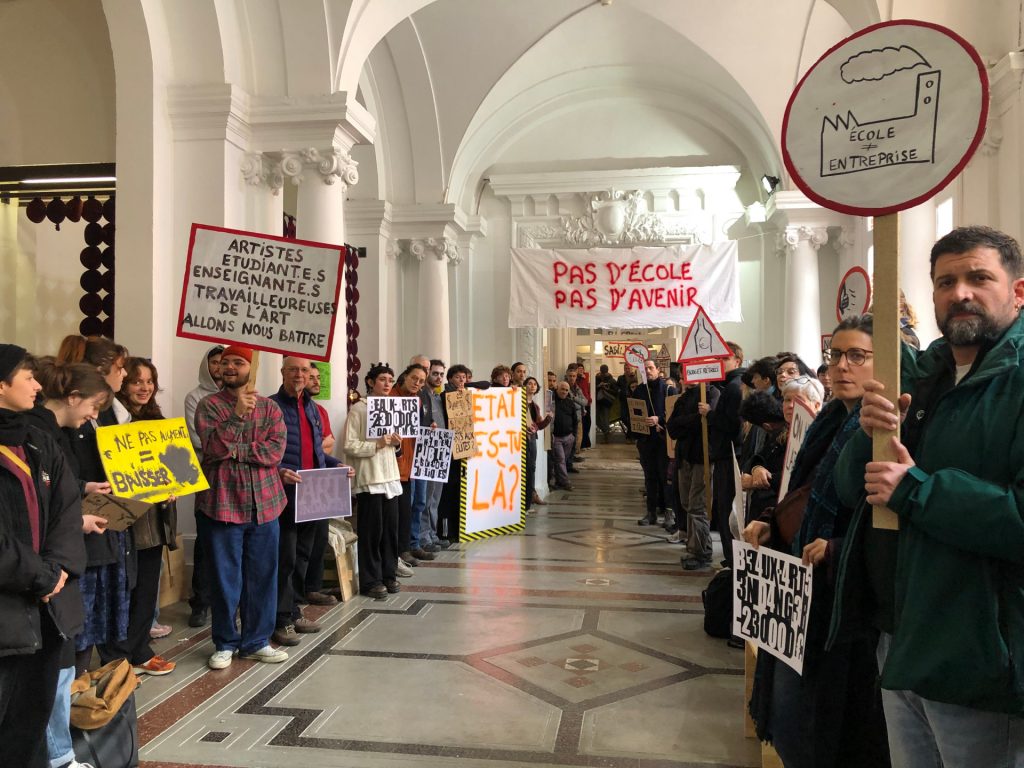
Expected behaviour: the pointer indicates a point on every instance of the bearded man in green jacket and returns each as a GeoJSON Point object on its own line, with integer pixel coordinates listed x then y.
{"type": "Point", "coordinates": [947, 590]}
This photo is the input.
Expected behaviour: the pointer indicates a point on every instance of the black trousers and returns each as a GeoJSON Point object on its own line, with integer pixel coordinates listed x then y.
{"type": "Point", "coordinates": [405, 517]}
{"type": "Point", "coordinates": [309, 557]}
{"type": "Point", "coordinates": [448, 509]}
{"type": "Point", "coordinates": [141, 610]}
{"type": "Point", "coordinates": [200, 599]}
{"type": "Point", "coordinates": [723, 485]}
{"type": "Point", "coordinates": [586, 428]}
{"type": "Point", "coordinates": [28, 686]}
{"type": "Point", "coordinates": [295, 551]}
{"type": "Point", "coordinates": [531, 469]}
{"type": "Point", "coordinates": [377, 528]}
{"type": "Point", "coordinates": [654, 462]}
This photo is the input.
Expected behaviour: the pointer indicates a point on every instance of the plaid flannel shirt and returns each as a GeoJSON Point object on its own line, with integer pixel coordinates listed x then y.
{"type": "Point", "coordinates": [241, 459]}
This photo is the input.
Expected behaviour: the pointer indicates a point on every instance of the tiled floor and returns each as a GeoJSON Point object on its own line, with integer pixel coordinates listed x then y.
{"type": "Point", "coordinates": [579, 643]}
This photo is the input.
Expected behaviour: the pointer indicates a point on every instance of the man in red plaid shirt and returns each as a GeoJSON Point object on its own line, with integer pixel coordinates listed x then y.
{"type": "Point", "coordinates": [243, 436]}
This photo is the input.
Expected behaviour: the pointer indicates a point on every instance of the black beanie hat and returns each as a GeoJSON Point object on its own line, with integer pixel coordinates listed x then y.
{"type": "Point", "coordinates": [11, 356]}
{"type": "Point", "coordinates": [761, 408]}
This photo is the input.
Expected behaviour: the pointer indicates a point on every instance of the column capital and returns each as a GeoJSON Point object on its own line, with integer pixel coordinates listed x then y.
{"type": "Point", "coordinates": [331, 165]}
{"type": "Point", "coordinates": [791, 237]}
{"type": "Point", "coordinates": [439, 248]}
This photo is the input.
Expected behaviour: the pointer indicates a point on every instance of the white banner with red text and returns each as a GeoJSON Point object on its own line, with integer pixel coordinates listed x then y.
{"type": "Point", "coordinates": [640, 287]}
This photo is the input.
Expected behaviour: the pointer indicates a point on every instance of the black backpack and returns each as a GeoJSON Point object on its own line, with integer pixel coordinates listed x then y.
{"type": "Point", "coordinates": [718, 604]}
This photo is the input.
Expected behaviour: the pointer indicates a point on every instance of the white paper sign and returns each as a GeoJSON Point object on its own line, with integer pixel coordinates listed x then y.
{"type": "Point", "coordinates": [802, 418]}
{"type": "Point", "coordinates": [771, 602]}
{"type": "Point", "coordinates": [886, 119]}
{"type": "Point", "coordinates": [642, 287]}
{"type": "Point", "coordinates": [709, 370]}
{"type": "Point", "coordinates": [433, 454]}
{"type": "Point", "coordinates": [323, 494]}
{"type": "Point", "coordinates": [261, 291]}
{"type": "Point", "coordinates": [392, 415]}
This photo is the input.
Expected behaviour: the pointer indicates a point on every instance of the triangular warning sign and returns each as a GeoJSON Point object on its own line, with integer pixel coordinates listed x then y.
{"type": "Point", "coordinates": [703, 340]}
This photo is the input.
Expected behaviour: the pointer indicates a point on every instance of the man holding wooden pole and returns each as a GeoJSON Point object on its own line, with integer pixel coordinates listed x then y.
{"type": "Point", "coordinates": [947, 590]}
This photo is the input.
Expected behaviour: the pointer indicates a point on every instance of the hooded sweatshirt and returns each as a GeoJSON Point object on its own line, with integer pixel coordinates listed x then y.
{"type": "Point", "coordinates": [207, 386]}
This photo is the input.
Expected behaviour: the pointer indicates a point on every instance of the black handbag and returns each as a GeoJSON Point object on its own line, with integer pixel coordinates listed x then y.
{"type": "Point", "coordinates": [114, 745]}
{"type": "Point", "coordinates": [717, 599]}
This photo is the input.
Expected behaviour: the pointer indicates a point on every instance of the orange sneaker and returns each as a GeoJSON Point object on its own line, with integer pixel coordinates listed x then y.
{"type": "Point", "coordinates": [156, 666]}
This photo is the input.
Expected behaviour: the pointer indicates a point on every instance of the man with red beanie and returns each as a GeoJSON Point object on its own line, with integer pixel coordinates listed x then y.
{"type": "Point", "coordinates": [243, 436]}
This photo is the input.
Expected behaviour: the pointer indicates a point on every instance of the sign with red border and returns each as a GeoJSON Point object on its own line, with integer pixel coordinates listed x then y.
{"type": "Point", "coordinates": [637, 354]}
{"type": "Point", "coordinates": [854, 295]}
{"type": "Point", "coordinates": [696, 371]}
{"type": "Point", "coordinates": [703, 340]}
{"type": "Point", "coordinates": [261, 291]}
{"type": "Point", "coordinates": [886, 118]}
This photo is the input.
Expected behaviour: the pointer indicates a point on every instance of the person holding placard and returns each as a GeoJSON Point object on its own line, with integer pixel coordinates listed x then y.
{"type": "Point", "coordinates": [831, 715]}
{"type": "Point", "coordinates": [947, 590]}
{"type": "Point", "coordinates": [303, 450]}
{"type": "Point", "coordinates": [684, 426]}
{"type": "Point", "coordinates": [377, 487]}
{"type": "Point", "coordinates": [432, 396]}
{"type": "Point", "coordinates": [414, 492]}
{"type": "Point", "coordinates": [652, 448]}
{"type": "Point", "coordinates": [244, 439]}
{"type": "Point", "coordinates": [533, 425]}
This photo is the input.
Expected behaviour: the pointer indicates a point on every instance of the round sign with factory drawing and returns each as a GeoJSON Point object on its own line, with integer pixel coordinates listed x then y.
{"type": "Point", "coordinates": [886, 118]}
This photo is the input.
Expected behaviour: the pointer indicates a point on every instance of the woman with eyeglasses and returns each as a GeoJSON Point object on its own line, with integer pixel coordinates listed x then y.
{"type": "Point", "coordinates": [832, 714]}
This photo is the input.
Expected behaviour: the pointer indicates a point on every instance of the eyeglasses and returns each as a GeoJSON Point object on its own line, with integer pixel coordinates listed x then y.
{"type": "Point", "coordinates": [854, 356]}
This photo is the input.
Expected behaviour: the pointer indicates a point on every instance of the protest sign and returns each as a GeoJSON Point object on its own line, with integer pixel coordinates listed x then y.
{"type": "Point", "coordinates": [261, 291]}
{"type": "Point", "coordinates": [119, 512]}
{"type": "Point", "coordinates": [670, 404]}
{"type": "Point", "coordinates": [323, 494]}
{"type": "Point", "coordinates": [492, 501]}
{"type": "Point", "coordinates": [854, 295]}
{"type": "Point", "coordinates": [699, 371]}
{"type": "Point", "coordinates": [392, 416]}
{"type": "Point", "coordinates": [460, 421]}
{"type": "Point", "coordinates": [802, 418]}
{"type": "Point", "coordinates": [616, 348]}
{"type": "Point", "coordinates": [703, 341]}
{"type": "Point", "coordinates": [771, 602]}
{"type": "Point", "coordinates": [638, 416]}
{"type": "Point", "coordinates": [433, 454]}
{"type": "Point", "coordinates": [150, 460]}
{"type": "Point", "coordinates": [637, 355]}
{"type": "Point", "coordinates": [641, 287]}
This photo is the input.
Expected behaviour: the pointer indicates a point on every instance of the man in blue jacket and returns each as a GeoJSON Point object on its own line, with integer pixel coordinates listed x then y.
{"type": "Point", "coordinates": [947, 591]}
{"type": "Point", "coordinates": [304, 450]}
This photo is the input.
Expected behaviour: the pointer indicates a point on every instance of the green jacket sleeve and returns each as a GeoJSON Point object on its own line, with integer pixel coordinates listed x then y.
{"type": "Point", "coordinates": [961, 510]}
{"type": "Point", "coordinates": [849, 471]}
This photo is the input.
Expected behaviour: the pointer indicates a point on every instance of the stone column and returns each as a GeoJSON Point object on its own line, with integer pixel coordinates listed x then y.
{"type": "Point", "coordinates": [802, 313]}
{"type": "Point", "coordinates": [917, 235]}
{"type": "Point", "coordinates": [434, 255]}
{"type": "Point", "coordinates": [322, 176]}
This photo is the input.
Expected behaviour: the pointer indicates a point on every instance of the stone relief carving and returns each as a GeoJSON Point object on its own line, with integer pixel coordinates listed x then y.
{"type": "Point", "coordinates": [614, 217]}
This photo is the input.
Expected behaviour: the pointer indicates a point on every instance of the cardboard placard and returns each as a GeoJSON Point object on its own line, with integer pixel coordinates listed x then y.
{"type": "Point", "coordinates": [460, 421]}
{"type": "Point", "coordinates": [119, 512]}
{"type": "Point", "coordinates": [261, 291]}
{"type": "Point", "coordinates": [771, 602]}
{"type": "Point", "coordinates": [670, 404]}
{"type": "Point", "coordinates": [433, 454]}
{"type": "Point", "coordinates": [638, 416]}
{"type": "Point", "coordinates": [150, 460]}
{"type": "Point", "coordinates": [323, 494]}
{"type": "Point", "coordinates": [392, 416]}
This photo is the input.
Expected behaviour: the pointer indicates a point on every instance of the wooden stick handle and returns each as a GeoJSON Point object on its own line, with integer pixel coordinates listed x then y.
{"type": "Point", "coordinates": [886, 341]}
{"type": "Point", "coordinates": [707, 457]}
{"type": "Point", "coordinates": [254, 368]}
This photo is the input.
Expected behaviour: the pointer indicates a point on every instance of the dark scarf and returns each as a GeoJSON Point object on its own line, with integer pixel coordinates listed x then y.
{"type": "Point", "coordinates": [823, 507]}
{"type": "Point", "coordinates": [13, 427]}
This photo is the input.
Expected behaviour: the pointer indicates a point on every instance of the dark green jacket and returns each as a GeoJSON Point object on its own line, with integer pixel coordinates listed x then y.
{"type": "Point", "coordinates": [959, 578]}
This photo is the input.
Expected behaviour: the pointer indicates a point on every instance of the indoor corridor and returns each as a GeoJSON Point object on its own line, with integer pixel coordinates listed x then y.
{"type": "Point", "coordinates": [578, 643]}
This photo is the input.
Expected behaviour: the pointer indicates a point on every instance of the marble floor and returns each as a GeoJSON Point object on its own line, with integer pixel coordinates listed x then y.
{"type": "Point", "coordinates": [578, 643]}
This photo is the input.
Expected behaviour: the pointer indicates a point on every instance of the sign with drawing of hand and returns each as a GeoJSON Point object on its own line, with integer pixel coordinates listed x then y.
{"type": "Point", "coordinates": [886, 118]}
{"type": "Point", "coordinates": [150, 460]}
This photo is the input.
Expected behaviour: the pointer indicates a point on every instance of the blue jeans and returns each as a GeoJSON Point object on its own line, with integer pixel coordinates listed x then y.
{"type": "Point", "coordinates": [243, 575]}
{"type": "Point", "coordinates": [419, 503]}
{"type": "Point", "coordinates": [428, 522]}
{"type": "Point", "coordinates": [932, 734]}
{"type": "Point", "coordinates": [58, 729]}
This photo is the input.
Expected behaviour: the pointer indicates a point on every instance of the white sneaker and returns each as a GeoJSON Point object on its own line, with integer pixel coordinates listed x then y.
{"type": "Point", "coordinates": [220, 660]}
{"type": "Point", "coordinates": [402, 570]}
{"type": "Point", "coordinates": [675, 538]}
{"type": "Point", "coordinates": [268, 655]}
{"type": "Point", "coordinates": [76, 764]}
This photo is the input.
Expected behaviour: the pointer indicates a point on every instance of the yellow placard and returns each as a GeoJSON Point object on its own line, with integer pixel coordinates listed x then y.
{"type": "Point", "coordinates": [150, 460]}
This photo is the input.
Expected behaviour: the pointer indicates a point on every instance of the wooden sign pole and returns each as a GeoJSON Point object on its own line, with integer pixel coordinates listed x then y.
{"type": "Point", "coordinates": [886, 341]}
{"type": "Point", "coordinates": [254, 368]}
{"type": "Point", "coordinates": [704, 442]}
